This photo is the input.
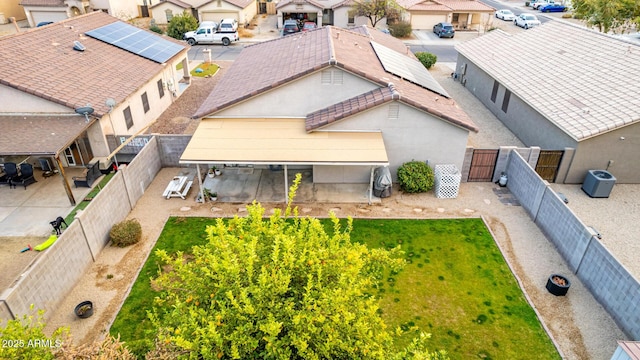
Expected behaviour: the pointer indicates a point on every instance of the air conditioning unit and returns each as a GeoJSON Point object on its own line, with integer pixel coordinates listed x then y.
{"type": "Point", "coordinates": [598, 183]}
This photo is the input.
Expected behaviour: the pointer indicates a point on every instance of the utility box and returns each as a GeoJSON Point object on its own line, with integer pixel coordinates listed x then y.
{"type": "Point", "coordinates": [447, 181]}
{"type": "Point", "coordinates": [598, 183]}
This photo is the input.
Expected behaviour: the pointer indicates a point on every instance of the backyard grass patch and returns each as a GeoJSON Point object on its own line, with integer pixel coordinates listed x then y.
{"type": "Point", "coordinates": [455, 286]}
{"type": "Point", "coordinates": [205, 69]}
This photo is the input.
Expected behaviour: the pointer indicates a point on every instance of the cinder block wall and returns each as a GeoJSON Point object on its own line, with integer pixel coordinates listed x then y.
{"type": "Point", "coordinates": [608, 280]}
{"type": "Point", "coordinates": [57, 270]}
{"type": "Point", "coordinates": [53, 274]}
{"type": "Point", "coordinates": [171, 147]}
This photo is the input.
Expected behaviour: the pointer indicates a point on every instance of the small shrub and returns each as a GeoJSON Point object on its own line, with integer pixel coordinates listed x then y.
{"type": "Point", "coordinates": [567, 16]}
{"type": "Point", "coordinates": [400, 29]}
{"type": "Point", "coordinates": [156, 29]}
{"type": "Point", "coordinates": [125, 233]}
{"type": "Point", "coordinates": [415, 177]}
{"type": "Point", "coordinates": [427, 59]}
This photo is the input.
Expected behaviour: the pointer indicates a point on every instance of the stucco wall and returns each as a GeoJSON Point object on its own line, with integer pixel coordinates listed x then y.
{"type": "Point", "coordinates": [415, 135]}
{"type": "Point", "coordinates": [595, 153]}
{"type": "Point", "coordinates": [300, 97]}
{"type": "Point", "coordinates": [12, 8]}
{"type": "Point", "coordinates": [22, 102]}
{"type": "Point", "coordinates": [208, 11]}
{"type": "Point", "coordinates": [159, 12]}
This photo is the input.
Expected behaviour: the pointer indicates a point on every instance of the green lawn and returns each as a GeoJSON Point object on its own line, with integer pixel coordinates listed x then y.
{"type": "Point", "coordinates": [455, 286]}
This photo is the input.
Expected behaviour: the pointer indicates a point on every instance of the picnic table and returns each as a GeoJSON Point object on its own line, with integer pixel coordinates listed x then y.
{"type": "Point", "coordinates": [178, 187]}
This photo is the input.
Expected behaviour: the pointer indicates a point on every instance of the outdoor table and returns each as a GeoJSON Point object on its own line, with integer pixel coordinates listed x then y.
{"type": "Point", "coordinates": [174, 189]}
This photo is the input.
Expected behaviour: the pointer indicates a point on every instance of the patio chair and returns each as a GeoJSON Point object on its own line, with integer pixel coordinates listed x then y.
{"type": "Point", "coordinates": [26, 176]}
{"type": "Point", "coordinates": [89, 175]}
{"type": "Point", "coordinates": [10, 171]}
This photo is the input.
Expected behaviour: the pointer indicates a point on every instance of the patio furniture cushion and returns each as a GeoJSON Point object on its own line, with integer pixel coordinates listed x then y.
{"type": "Point", "coordinates": [25, 178]}
{"type": "Point", "coordinates": [89, 175]}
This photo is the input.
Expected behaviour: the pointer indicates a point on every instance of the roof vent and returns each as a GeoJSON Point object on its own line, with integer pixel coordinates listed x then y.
{"type": "Point", "coordinates": [78, 46]}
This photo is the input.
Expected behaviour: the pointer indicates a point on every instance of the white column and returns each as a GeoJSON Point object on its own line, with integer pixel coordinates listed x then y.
{"type": "Point", "coordinates": [286, 185]}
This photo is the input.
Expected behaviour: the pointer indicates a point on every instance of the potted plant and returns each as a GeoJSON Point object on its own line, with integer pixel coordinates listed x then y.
{"type": "Point", "coordinates": [217, 171]}
{"type": "Point", "coordinates": [213, 196]}
{"type": "Point", "coordinates": [84, 309]}
{"type": "Point", "coordinates": [212, 172]}
{"type": "Point", "coordinates": [208, 194]}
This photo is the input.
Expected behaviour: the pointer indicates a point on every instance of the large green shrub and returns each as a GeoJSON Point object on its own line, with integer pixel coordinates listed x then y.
{"type": "Point", "coordinates": [180, 24]}
{"type": "Point", "coordinates": [415, 177]}
{"type": "Point", "coordinates": [427, 59]}
{"type": "Point", "coordinates": [400, 29]}
{"type": "Point", "coordinates": [125, 233]}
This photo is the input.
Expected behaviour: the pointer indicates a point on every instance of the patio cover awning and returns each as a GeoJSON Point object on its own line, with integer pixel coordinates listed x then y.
{"type": "Point", "coordinates": [39, 135]}
{"type": "Point", "coordinates": [281, 142]}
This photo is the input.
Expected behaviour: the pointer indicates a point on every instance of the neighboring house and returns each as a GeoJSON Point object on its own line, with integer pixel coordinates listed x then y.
{"type": "Point", "coordinates": [576, 92]}
{"type": "Point", "coordinates": [215, 10]}
{"type": "Point", "coordinates": [322, 12]}
{"type": "Point", "coordinates": [51, 85]}
{"type": "Point", "coordinates": [163, 12]}
{"type": "Point", "coordinates": [38, 11]}
{"type": "Point", "coordinates": [322, 100]}
{"type": "Point", "coordinates": [463, 14]}
{"type": "Point", "coordinates": [10, 8]}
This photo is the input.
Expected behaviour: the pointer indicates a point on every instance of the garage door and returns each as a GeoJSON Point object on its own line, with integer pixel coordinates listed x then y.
{"type": "Point", "coordinates": [426, 22]}
{"type": "Point", "coordinates": [40, 16]}
{"type": "Point", "coordinates": [217, 16]}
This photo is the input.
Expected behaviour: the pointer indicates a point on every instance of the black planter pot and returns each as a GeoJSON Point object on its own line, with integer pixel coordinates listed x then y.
{"type": "Point", "coordinates": [558, 285]}
{"type": "Point", "coordinates": [84, 309]}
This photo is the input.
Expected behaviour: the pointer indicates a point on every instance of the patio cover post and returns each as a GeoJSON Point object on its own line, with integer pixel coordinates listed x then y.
{"type": "Point", "coordinates": [371, 183]}
{"type": "Point", "coordinates": [286, 185]}
{"type": "Point", "coordinates": [199, 183]}
{"type": "Point", "coordinates": [65, 183]}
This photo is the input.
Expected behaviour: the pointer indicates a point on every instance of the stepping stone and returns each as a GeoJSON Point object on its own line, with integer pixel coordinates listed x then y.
{"type": "Point", "coordinates": [418, 210]}
{"type": "Point", "coordinates": [487, 201]}
{"type": "Point", "coordinates": [306, 210]}
{"type": "Point", "coordinates": [335, 209]}
{"type": "Point", "coordinates": [185, 208]}
{"type": "Point", "coordinates": [440, 210]}
{"type": "Point", "coordinates": [469, 211]}
{"type": "Point", "coordinates": [387, 210]}
{"type": "Point", "coordinates": [216, 209]}
{"type": "Point", "coordinates": [363, 210]}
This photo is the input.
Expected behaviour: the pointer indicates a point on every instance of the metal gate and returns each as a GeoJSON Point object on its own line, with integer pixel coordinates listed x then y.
{"type": "Point", "coordinates": [483, 164]}
{"type": "Point", "coordinates": [548, 164]}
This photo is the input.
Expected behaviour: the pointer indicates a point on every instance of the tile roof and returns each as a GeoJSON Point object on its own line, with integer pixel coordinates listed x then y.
{"type": "Point", "coordinates": [445, 5]}
{"type": "Point", "coordinates": [43, 3]}
{"type": "Point", "coordinates": [466, 5]}
{"type": "Point", "coordinates": [565, 78]}
{"type": "Point", "coordinates": [41, 62]}
{"type": "Point", "coordinates": [262, 67]}
{"type": "Point", "coordinates": [310, 2]}
{"type": "Point", "coordinates": [178, 3]}
{"type": "Point", "coordinates": [350, 107]}
{"type": "Point", "coordinates": [39, 135]}
{"type": "Point", "coordinates": [239, 3]}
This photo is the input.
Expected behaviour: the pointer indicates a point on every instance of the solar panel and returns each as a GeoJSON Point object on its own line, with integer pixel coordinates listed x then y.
{"type": "Point", "coordinates": [137, 41]}
{"type": "Point", "coordinates": [407, 68]}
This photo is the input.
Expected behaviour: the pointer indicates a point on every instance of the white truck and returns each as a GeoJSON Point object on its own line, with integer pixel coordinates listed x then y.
{"type": "Point", "coordinates": [210, 34]}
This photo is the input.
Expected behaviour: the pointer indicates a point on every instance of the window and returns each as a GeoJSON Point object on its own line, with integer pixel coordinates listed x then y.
{"type": "Point", "coordinates": [351, 17]}
{"type": "Point", "coordinates": [455, 18]}
{"type": "Point", "coordinates": [160, 89]}
{"type": "Point", "coordinates": [329, 77]}
{"type": "Point", "coordinates": [145, 102]}
{"type": "Point", "coordinates": [494, 92]}
{"type": "Point", "coordinates": [169, 14]}
{"type": "Point", "coordinates": [127, 117]}
{"type": "Point", "coordinates": [394, 111]}
{"type": "Point", "coordinates": [505, 102]}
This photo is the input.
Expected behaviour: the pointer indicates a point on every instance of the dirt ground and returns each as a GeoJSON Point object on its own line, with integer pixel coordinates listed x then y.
{"type": "Point", "coordinates": [12, 261]}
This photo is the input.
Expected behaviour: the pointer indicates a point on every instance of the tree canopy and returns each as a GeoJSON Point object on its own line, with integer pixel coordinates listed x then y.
{"type": "Point", "coordinates": [609, 15]}
{"type": "Point", "coordinates": [276, 288]}
{"type": "Point", "coordinates": [375, 10]}
{"type": "Point", "coordinates": [180, 24]}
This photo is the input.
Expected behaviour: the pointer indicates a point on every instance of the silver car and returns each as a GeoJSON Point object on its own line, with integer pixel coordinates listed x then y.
{"type": "Point", "coordinates": [526, 20]}
{"type": "Point", "coordinates": [505, 14]}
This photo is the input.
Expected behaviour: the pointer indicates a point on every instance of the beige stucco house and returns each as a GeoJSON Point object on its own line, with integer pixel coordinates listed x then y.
{"type": "Point", "coordinates": [341, 103]}
{"type": "Point", "coordinates": [74, 96]}
{"type": "Point", "coordinates": [242, 11]}
{"type": "Point", "coordinates": [463, 14]}
{"type": "Point", "coordinates": [330, 12]}
{"type": "Point", "coordinates": [38, 11]}
{"type": "Point", "coordinates": [11, 8]}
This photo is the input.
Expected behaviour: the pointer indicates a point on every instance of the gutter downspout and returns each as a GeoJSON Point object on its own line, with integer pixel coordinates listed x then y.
{"type": "Point", "coordinates": [371, 184]}
{"type": "Point", "coordinates": [286, 185]}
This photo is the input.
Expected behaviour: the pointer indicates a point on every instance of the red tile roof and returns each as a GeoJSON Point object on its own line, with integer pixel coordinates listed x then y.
{"type": "Point", "coordinates": [239, 3]}
{"type": "Point", "coordinates": [445, 5]}
{"type": "Point", "coordinates": [178, 3]}
{"type": "Point", "coordinates": [273, 63]}
{"type": "Point", "coordinates": [41, 62]}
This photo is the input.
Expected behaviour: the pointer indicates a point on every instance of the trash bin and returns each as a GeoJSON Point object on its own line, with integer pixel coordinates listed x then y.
{"type": "Point", "coordinates": [382, 182]}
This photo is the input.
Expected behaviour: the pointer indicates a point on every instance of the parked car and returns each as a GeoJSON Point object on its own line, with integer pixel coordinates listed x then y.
{"type": "Point", "coordinates": [526, 21]}
{"type": "Point", "coordinates": [553, 8]}
{"type": "Point", "coordinates": [444, 29]}
{"type": "Point", "coordinates": [535, 4]}
{"type": "Point", "coordinates": [290, 27]}
{"type": "Point", "coordinates": [43, 23]}
{"type": "Point", "coordinates": [505, 14]}
{"type": "Point", "coordinates": [210, 35]}
{"type": "Point", "coordinates": [309, 25]}
{"type": "Point", "coordinates": [228, 25]}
